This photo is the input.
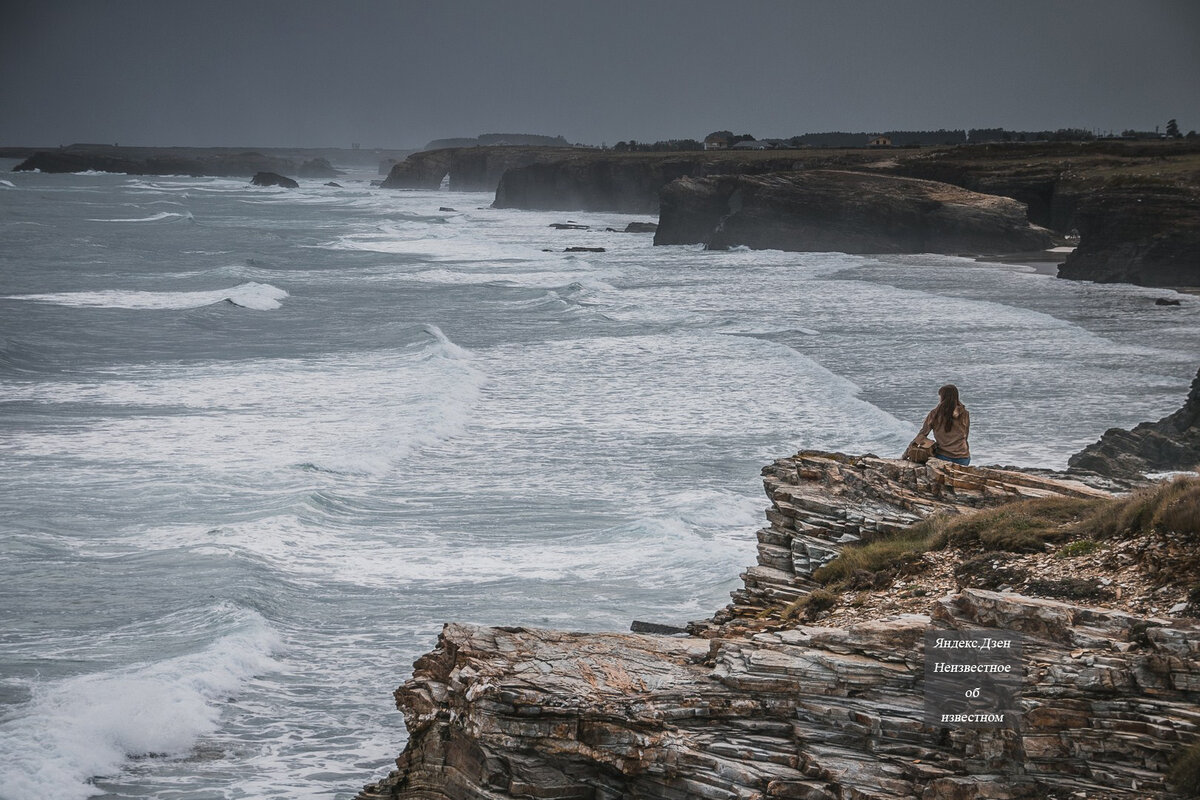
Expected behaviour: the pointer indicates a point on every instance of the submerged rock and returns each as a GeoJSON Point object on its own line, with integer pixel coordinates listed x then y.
{"type": "Point", "coordinates": [1172, 443]}
{"type": "Point", "coordinates": [836, 210]}
{"type": "Point", "coordinates": [273, 179]}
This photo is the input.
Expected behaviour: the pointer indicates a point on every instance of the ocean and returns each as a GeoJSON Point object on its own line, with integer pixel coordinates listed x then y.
{"type": "Point", "coordinates": [257, 445]}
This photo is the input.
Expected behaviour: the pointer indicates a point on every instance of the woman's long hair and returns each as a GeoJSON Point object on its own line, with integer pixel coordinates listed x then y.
{"type": "Point", "coordinates": [943, 415]}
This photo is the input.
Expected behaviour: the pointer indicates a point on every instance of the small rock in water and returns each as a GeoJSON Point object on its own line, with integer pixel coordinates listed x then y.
{"type": "Point", "coordinates": [447, 208]}
{"type": "Point", "coordinates": [584, 250]}
{"type": "Point", "coordinates": [335, 185]}
{"type": "Point", "coordinates": [568, 226]}
{"type": "Point", "coordinates": [1167, 301]}
{"type": "Point", "coordinates": [273, 179]}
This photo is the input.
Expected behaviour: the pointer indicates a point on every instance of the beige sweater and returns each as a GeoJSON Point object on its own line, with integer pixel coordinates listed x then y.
{"type": "Point", "coordinates": [953, 442]}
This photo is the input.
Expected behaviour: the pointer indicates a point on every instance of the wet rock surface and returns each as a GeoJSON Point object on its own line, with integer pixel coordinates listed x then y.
{"type": "Point", "coordinates": [749, 707]}
{"type": "Point", "coordinates": [273, 179]}
{"type": "Point", "coordinates": [1172, 443]}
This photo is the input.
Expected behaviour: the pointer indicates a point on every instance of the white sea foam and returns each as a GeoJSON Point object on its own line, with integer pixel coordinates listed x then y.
{"type": "Point", "coordinates": [78, 728]}
{"type": "Point", "coordinates": [352, 414]}
{"type": "Point", "coordinates": [8, 184]}
{"type": "Point", "coordinates": [256, 296]}
{"type": "Point", "coordinates": [162, 216]}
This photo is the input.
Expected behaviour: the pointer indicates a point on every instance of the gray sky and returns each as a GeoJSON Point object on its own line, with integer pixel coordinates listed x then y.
{"type": "Point", "coordinates": [399, 73]}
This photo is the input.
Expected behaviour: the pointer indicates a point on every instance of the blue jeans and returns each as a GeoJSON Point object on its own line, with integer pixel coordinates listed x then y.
{"type": "Point", "coordinates": [964, 461]}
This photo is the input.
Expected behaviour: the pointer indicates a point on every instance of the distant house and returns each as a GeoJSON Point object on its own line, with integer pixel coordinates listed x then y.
{"type": "Point", "coordinates": [879, 141]}
{"type": "Point", "coordinates": [716, 142]}
{"type": "Point", "coordinates": [750, 145]}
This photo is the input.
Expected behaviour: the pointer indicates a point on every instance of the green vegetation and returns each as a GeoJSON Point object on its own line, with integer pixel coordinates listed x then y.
{"type": "Point", "coordinates": [811, 604]}
{"type": "Point", "coordinates": [1185, 773]}
{"type": "Point", "coordinates": [1168, 506]}
{"type": "Point", "coordinates": [1077, 548]}
{"type": "Point", "coordinates": [1024, 526]}
{"type": "Point", "coordinates": [885, 554]}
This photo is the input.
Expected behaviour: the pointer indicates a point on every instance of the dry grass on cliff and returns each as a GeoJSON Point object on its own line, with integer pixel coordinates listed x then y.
{"type": "Point", "coordinates": [1142, 545]}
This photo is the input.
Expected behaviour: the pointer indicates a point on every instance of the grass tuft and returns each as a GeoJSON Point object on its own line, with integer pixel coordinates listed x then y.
{"type": "Point", "coordinates": [1021, 527]}
{"type": "Point", "coordinates": [1077, 548]}
{"type": "Point", "coordinates": [811, 604]}
{"type": "Point", "coordinates": [1185, 773]}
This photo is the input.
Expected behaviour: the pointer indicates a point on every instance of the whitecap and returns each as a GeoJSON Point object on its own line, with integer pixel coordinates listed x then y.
{"type": "Point", "coordinates": [161, 216]}
{"type": "Point", "coordinates": [75, 729]}
{"type": "Point", "coordinates": [256, 296]}
{"type": "Point", "coordinates": [8, 184]}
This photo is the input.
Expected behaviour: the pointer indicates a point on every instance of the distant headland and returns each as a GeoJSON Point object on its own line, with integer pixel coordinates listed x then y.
{"type": "Point", "coordinates": [1119, 209]}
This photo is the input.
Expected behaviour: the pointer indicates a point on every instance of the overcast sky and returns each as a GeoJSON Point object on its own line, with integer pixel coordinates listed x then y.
{"type": "Point", "coordinates": [399, 73]}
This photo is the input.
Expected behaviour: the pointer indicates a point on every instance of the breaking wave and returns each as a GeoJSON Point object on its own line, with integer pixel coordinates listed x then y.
{"type": "Point", "coordinates": [256, 296]}
{"type": "Point", "coordinates": [75, 729]}
{"type": "Point", "coordinates": [162, 216]}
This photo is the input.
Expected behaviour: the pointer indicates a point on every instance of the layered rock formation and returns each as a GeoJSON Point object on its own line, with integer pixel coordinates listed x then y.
{"type": "Point", "coordinates": [753, 707]}
{"type": "Point", "coordinates": [1135, 204]}
{"type": "Point", "coordinates": [631, 182]}
{"type": "Point", "coordinates": [1172, 443]}
{"type": "Point", "coordinates": [835, 210]}
{"type": "Point", "coordinates": [1146, 233]}
{"type": "Point", "coordinates": [471, 169]}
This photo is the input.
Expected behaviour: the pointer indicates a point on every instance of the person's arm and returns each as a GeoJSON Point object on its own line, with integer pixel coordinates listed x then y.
{"type": "Point", "coordinates": [927, 427]}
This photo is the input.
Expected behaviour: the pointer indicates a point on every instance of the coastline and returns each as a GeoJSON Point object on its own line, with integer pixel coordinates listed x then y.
{"type": "Point", "coordinates": [1040, 262]}
{"type": "Point", "coordinates": [774, 697]}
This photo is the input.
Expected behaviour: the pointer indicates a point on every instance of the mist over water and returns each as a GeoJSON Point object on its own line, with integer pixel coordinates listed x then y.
{"type": "Point", "coordinates": [256, 445]}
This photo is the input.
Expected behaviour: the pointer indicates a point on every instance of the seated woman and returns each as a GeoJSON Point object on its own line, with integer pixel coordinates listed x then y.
{"type": "Point", "coordinates": [950, 423]}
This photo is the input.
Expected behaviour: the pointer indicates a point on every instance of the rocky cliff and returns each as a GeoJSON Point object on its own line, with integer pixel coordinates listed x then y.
{"type": "Point", "coordinates": [1172, 443]}
{"type": "Point", "coordinates": [837, 210]}
{"type": "Point", "coordinates": [753, 704]}
{"type": "Point", "coordinates": [1146, 232]}
{"type": "Point", "coordinates": [470, 169]}
{"type": "Point", "coordinates": [631, 182]}
{"type": "Point", "coordinates": [1134, 204]}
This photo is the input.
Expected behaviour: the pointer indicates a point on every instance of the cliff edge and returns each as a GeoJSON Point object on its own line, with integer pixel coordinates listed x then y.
{"type": "Point", "coordinates": [1172, 443]}
{"type": "Point", "coordinates": [765, 701]}
{"type": "Point", "coordinates": [838, 210]}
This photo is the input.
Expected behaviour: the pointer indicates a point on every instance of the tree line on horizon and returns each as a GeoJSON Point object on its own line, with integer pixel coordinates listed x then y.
{"type": "Point", "coordinates": [918, 138]}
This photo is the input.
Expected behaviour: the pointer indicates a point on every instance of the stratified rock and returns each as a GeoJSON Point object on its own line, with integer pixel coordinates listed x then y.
{"type": "Point", "coordinates": [1172, 443]}
{"type": "Point", "coordinates": [836, 210]}
{"type": "Point", "coordinates": [750, 710]}
{"type": "Point", "coordinates": [273, 179]}
{"type": "Point", "coordinates": [470, 169]}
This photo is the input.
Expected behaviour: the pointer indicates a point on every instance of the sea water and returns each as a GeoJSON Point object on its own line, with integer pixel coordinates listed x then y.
{"type": "Point", "coordinates": [257, 444]}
